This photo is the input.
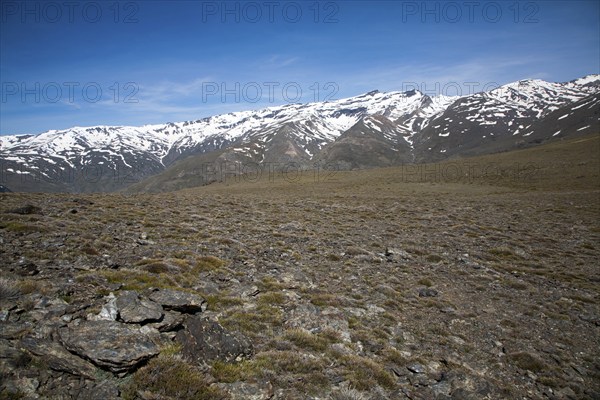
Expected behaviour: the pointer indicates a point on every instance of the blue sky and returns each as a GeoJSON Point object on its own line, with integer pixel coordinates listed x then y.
{"type": "Point", "coordinates": [152, 61]}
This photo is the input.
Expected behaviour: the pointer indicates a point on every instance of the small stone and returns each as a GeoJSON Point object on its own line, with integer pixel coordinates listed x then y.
{"type": "Point", "coordinates": [428, 292]}
{"type": "Point", "coordinates": [393, 254]}
{"type": "Point", "coordinates": [132, 309]}
{"type": "Point", "coordinates": [398, 371]}
{"type": "Point", "coordinates": [458, 340]}
{"type": "Point", "coordinates": [373, 309]}
{"type": "Point", "coordinates": [170, 321]}
{"type": "Point", "coordinates": [109, 311]}
{"type": "Point", "coordinates": [291, 226]}
{"type": "Point", "coordinates": [27, 268]}
{"type": "Point", "coordinates": [442, 388]}
{"type": "Point", "coordinates": [252, 292]}
{"type": "Point", "coordinates": [416, 368]}
{"type": "Point", "coordinates": [448, 310]}
{"type": "Point", "coordinates": [151, 332]}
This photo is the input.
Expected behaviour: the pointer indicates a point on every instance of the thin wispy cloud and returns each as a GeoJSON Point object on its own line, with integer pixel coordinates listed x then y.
{"type": "Point", "coordinates": [169, 90]}
{"type": "Point", "coordinates": [278, 61]}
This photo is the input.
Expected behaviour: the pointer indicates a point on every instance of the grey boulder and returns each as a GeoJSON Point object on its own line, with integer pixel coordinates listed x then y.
{"type": "Point", "coordinates": [108, 344]}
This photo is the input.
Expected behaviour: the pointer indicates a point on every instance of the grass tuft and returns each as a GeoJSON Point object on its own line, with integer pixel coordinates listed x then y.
{"type": "Point", "coordinates": [527, 361]}
{"type": "Point", "coordinates": [168, 376]}
{"type": "Point", "coordinates": [306, 340]}
{"type": "Point", "coordinates": [9, 290]}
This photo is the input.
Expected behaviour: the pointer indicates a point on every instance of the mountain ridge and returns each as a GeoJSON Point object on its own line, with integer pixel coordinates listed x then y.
{"type": "Point", "coordinates": [418, 128]}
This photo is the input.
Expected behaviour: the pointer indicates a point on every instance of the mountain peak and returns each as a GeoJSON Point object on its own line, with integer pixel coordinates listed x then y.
{"type": "Point", "coordinates": [442, 125]}
{"type": "Point", "coordinates": [593, 78]}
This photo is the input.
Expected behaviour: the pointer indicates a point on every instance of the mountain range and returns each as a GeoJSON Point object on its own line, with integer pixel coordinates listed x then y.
{"type": "Point", "coordinates": [376, 129]}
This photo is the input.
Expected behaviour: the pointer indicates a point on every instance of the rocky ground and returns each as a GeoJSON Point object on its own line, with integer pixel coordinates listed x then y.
{"type": "Point", "coordinates": [352, 288]}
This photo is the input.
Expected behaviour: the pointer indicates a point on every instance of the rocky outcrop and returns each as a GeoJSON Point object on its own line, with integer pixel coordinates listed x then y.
{"type": "Point", "coordinates": [108, 344]}
{"type": "Point", "coordinates": [81, 349]}
{"type": "Point", "coordinates": [58, 358]}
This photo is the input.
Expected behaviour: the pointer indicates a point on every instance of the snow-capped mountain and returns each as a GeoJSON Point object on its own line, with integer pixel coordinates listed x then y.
{"type": "Point", "coordinates": [502, 118]}
{"type": "Point", "coordinates": [373, 129]}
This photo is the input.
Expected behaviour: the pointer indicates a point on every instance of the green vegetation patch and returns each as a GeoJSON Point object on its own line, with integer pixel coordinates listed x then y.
{"type": "Point", "coordinates": [306, 340]}
{"type": "Point", "coordinates": [364, 373]}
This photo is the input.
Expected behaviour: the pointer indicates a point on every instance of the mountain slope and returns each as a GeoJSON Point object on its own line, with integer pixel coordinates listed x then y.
{"type": "Point", "coordinates": [371, 130]}
{"type": "Point", "coordinates": [497, 120]}
{"type": "Point", "coordinates": [374, 141]}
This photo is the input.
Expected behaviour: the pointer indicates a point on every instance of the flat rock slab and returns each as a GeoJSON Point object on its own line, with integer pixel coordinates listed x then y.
{"type": "Point", "coordinates": [204, 341]}
{"type": "Point", "coordinates": [108, 344]}
{"type": "Point", "coordinates": [57, 358]}
{"type": "Point", "coordinates": [179, 301]}
{"type": "Point", "coordinates": [133, 309]}
{"type": "Point", "coordinates": [170, 322]}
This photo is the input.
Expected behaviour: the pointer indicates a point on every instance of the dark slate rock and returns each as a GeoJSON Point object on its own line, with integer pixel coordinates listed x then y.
{"type": "Point", "coordinates": [204, 341]}
{"type": "Point", "coordinates": [170, 322]}
{"type": "Point", "coordinates": [178, 301]}
{"type": "Point", "coordinates": [111, 345]}
{"type": "Point", "coordinates": [132, 309]}
{"type": "Point", "coordinates": [57, 358]}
